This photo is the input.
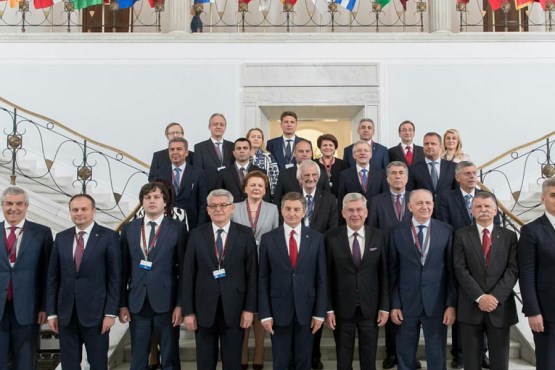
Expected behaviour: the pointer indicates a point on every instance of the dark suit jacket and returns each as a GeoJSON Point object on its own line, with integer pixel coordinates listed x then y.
{"type": "Point", "coordinates": [284, 292]}
{"type": "Point", "coordinates": [336, 168]}
{"type": "Point", "coordinates": [382, 212]}
{"type": "Point", "coordinates": [418, 289]}
{"type": "Point", "coordinates": [206, 159]}
{"type": "Point", "coordinates": [29, 273]}
{"type": "Point", "coordinates": [237, 289]}
{"type": "Point", "coordinates": [161, 159]}
{"type": "Point", "coordinates": [287, 182]}
{"type": "Point", "coordinates": [380, 156]}
{"type": "Point", "coordinates": [162, 282]}
{"type": "Point", "coordinates": [419, 177]}
{"type": "Point", "coordinates": [397, 153]}
{"type": "Point", "coordinates": [349, 182]}
{"type": "Point", "coordinates": [346, 285]}
{"type": "Point", "coordinates": [275, 146]}
{"type": "Point", "coordinates": [94, 291]}
{"type": "Point", "coordinates": [192, 193]}
{"type": "Point", "coordinates": [228, 179]}
{"type": "Point", "coordinates": [536, 258]}
{"type": "Point", "coordinates": [324, 216]}
{"type": "Point", "coordinates": [475, 279]}
{"type": "Point", "coordinates": [451, 208]}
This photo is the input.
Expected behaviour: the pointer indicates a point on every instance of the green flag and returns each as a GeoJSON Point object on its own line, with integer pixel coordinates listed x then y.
{"type": "Point", "coordinates": [383, 2]}
{"type": "Point", "coordinates": [82, 4]}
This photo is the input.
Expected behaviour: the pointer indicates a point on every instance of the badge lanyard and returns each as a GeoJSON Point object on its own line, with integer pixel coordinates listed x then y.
{"type": "Point", "coordinates": [220, 259]}
{"type": "Point", "coordinates": [252, 221]}
{"type": "Point", "coordinates": [421, 248]}
{"type": "Point", "coordinates": [148, 248]}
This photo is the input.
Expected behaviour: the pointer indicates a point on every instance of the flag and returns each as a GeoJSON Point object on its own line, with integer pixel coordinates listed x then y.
{"type": "Point", "coordinates": [463, 1]}
{"type": "Point", "coordinates": [13, 3]}
{"type": "Point", "coordinates": [495, 4]}
{"type": "Point", "coordinates": [203, 1]}
{"type": "Point", "coordinates": [292, 2]}
{"type": "Point", "coordinates": [523, 3]}
{"type": "Point", "coordinates": [383, 3]}
{"type": "Point", "coordinates": [404, 4]}
{"type": "Point", "coordinates": [543, 3]}
{"type": "Point", "coordinates": [347, 4]}
{"type": "Point", "coordinates": [124, 4]}
{"type": "Point", "coordinates": [321, 6]}
{"type": "Point", "coordinates": [82, 4]}
{"type": "Point", "coordinates": [40, 4]}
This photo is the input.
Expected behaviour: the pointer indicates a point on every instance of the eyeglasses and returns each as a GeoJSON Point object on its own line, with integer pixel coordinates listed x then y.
{"type": "Point", "coordinates": [222, 206]}
{"type": "Point", "coordinates": [174, 133]}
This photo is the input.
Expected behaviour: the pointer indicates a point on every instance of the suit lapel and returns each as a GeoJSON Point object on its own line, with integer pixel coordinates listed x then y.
{"type": "Point", "coordinates": [26, 238]}
{"type": "Point", "coordinates": [161, 241]}
{"type": "Point", "coordinates": [460, 201]}
{"type": "Point", "coordinates": [367, 244]}
{"type": "Point", "coordinates": [211, 248]}
{"type": "Point", "coordinates": [476, 243]}
{"type": "Point", "coordinates": [356, 180]}
{"type": "Point", "coordinates": [212, 152]}
{"type": "Point", "coordinates": [304, 245]}
{"type": "Point", "coordinates": [545, 224]}
{"type": "Point", "coordinates": [90, 248]}
{"type": "Point", "coordinates": [281, 240]}
{"type": "Point", "coordinates": [317, 204]}
{"type": "Point", "coordinates": [496, 244]}
{"type": "Point", "coordinates": [3, 249]}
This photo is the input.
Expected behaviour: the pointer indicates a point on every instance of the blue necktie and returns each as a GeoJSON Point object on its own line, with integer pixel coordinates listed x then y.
{"type": "Point", "coordinates": [309, 209]}
{"type": "Point", "coordinates": [220, 244]}
{"type": "Point", "coordinates": [176, 179]}
{"type": "Point", "coordinates": [468, 201]}
{"type": "Point", "coordinates": [433, 174]}
{"type": "Point", "coordinates": [420, 237]}
{"type": "Point", "coordinates": [364, 178]}
{"type": "Point", "coordinates": [288, 151]}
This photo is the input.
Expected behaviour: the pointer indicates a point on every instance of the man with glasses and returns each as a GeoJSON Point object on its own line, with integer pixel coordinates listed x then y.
{"type": "Point", "coordinates": [161, 157]}
{"type": "Point", "coordinates": [220, 271]}
{"type": "Point", "coordinates": [406, 151]}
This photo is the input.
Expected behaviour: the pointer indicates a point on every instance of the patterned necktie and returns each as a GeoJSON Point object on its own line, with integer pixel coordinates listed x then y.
{"type": "Point", "coordinates": [242, 175]}
{"type": "Point", "coordinates": [486, 245]}
{"type": "Point", "coordinates": [219, 151]}
{"type": "Point", "coordinates": [176, 179]}
{"type": "Point", "coordinates": [220, 244]}
{"type": "Point", "coordinates": [468, 202]}
{"type": "Point", "coordinates": [408, 155]}
{"type": "Point", "coordinates": [364, 179]}
{"type": "Point", "coordinates": [288, 151]}
{"type": "Point", "coordinates": [433, 174]}
{"type": "Point", "coordinates": [151, 236]}
{"type": "Point", "coordinates": [398, 207]}
{"type": "Point", "coordinates": [356, 251]}
{"type": "Point", "coordinates": [79, 250]}
{"type": "Point", "coordinates": [293, 249]}
{"type": "Point", "coordinates": [10, 246]}
{"type": "Point", "coordinates": [309, 209]}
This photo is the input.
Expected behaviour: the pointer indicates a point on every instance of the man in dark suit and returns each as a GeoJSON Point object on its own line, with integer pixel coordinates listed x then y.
{"type": "Point", "coordinates": [282, 147]}
{"type": "Point", "coordinates": [188, 183]}
{"type": "Point", "coordinates": [358, 298]}
{"type": "Point", "coordinates": [161, 158]}
{"type": "Point", "coordinates": [423, 288]}
{"type": "Point", "coordinates": [536, 258]}
{"type": "Point", "coordinates": [23, 268]}
{"type": "Point", "coordinates": [380, 156]}
{"type": "Point", "coordinates": [152, 250]}
{"type": "Point", "coordinates": [485, 261]}
{"type": "Point", "coordinates": [321, 215]}
{"type": "Point", "coordinates": [214, 154]}
{"type": "Point", "coordinates": [292, 285]}
{"type": "Point", "coordinates": [288, 181]}
{"type": "Point", "coordinates": [231, 178]}
{"type": "Point", "coordinates": [84, 282]}
{"type": "Point", "coordinates": [219, 284]}
{"type": "Point", "coordinates": [406, 151]}
{"type": "Point", "coordinates": [362, 178]}
{"type": "Point", "coordinates": [433, 173]}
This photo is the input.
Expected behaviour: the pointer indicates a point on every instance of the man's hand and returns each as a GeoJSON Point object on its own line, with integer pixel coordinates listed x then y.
{"type": "Point", "coordinates": [53, 324]}
{"type": "Point", "coordinates": [124, 315]}
{"type": "Point", "coordinates": [397, 316]}
{"type": "Point", "coordinates": [330, 320]}
{"type": "Point", "coordinates": [536, 323]}
{"type": "Point", "coordinates": [107, 323]}
{"type": "Point", "coordinates": [267, 324]}
{"type": "Point", "coordinates": [449, 316]}
{"type": "Point", "coordinates": [177, 319]}
{"type": "Point", "coordinates": [246, 319]}
{"type": "Point", "coordinates": [488, 303]}
{"type": "Point", "coordinates": [190, 322]}
{"type": "Point", "coordinates": [41, 319]}
{"type": "Point", "coordinates": [382, 318]}
{"type": "Point", "coordinates": [315, 325]}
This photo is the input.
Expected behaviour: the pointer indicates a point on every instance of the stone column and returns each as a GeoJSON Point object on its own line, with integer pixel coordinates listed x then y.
{"type": "Point", "coordinates": [441, 15]}
{"type": "Point", "coordinates": [179, 15]}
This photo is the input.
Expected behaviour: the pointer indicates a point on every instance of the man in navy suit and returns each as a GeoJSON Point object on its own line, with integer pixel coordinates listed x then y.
{"type": "Point", "coordinates": [188, 183]}
{"type": "Point", "coordinates": [423, 288]}
{"type": "Point", "coordinates": [161, 158]}
{"type": "Point", "coordinates": [485, 263]}
{"type": "Point", "coordinates": [282, 147]}
{"type": "Point", "coordinates": [292, 285]}
{"type": "Point", "coordinates": [536, 258]}
{"type": "Point", "coordinates": [358, 284]}
{"type": "Point", "coordinates": [363, 178]}
{"type": "Point", "coordinates": [84, 282]}
{"type": "Point", "coordinates": [23, 268]}
{"type": "Point", "coordinates": [406, 151]}
{"type": "Point", "coordinates": [380, 156]}
{"type": "Point", "coordinates": [219, 284]}
{"type": "Point", "coordinates": [152, 250]}
{"type": "Point", "coordinates": [215, 153]}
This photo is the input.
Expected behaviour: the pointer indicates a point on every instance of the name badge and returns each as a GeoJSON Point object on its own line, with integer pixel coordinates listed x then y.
{"type": "Point", "coordinates": [289, 165]}
{"type": "Point", "coordinates": [221, 168]}
{"type": "Point", "coordinates": [218, 274]}
{"type": "Point", "coordinates": [145, 265]}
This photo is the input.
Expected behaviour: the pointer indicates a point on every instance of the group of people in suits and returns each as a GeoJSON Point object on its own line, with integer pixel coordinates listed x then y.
{"type": "Point", "coordinates": [399, 238]}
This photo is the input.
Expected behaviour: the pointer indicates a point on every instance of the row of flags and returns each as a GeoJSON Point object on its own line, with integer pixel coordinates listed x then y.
{"type": "Point", "coordinates": [496, 4]}
{"type": "Point", "coordinates": [77, 4]}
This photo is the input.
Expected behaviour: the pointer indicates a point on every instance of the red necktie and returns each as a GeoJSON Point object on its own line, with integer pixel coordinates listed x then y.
{"type": "Point", "coordinates": [10, 246]}
{"type": "Point", "coordinates": [79, 250]}
{"type": "Point", "coordinates": [293, 250]}
{"type": "Point", "coordinates": [486, 244]}
{"type": "Point", "coordinates": [408, 155]}
{"type": "Point", "coordinates": [398, 208]}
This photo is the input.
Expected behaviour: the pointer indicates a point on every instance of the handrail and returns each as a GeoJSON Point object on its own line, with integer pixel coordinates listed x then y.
{"type": "Point", "coordinates": [502, 207]}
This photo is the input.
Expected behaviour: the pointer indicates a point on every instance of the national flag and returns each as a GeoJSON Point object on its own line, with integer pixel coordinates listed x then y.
{"type": "Point", "coordinates": [13, 3]}
{"type": "Point", "coordinates": [124, 4]}
{"type": "Point", "coordinates": [82, 4]}
{"type": "Point", "coordinates": [523, 3]}
{"type": "Point", "coordinates": [321, 5]}
{"type": "Point", "coordinates": [383, 3]}
{"type": "Point", "coordinates": [347, 4]}
{"type": "Point", "coordinates": [292, 2]}
{"type": "Point", "coordinates": [203, 1]}
{"type": "Point", "coordinates": [463, 1]}
{"type": "Point", "coordinates": [40, 4]}
{"type": "Point", "coordinates": [495, 4]}
{"type": "Point", "coordinates": [404, 4]}
{"type": "Point", "coordinates": [543, 3]}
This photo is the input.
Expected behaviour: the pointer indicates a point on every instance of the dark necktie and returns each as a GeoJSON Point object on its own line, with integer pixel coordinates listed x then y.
{"type": "Point", "coordinates": [242, 174]}
{"type": "Point", "coordinates": [288, 152]}
{"type": "Point", "coordinates": [219, 151]}
{"type": "Point", "coordinates": [176, 179]}
{"type": "Point", "coordinates": [151, 236]}
{"type": "Point", "coordinates": [433, 174]}
{"type": "Point", "coordinates": [309, 208]}
{"type": "Point", "coordinates": [468, 202]}
{"type": "Point", "coordinates": [356, 251]}
{"type": "Point", "coordinates": [408, 155]}
{"type": "Point", "coordinates": [486, 245]}
{"type": "Point", "coordinates": [11, 249]}
{"type": "Point", "coordinates": [420, 237]}
{"type": "Point", "coordinates": [220, 244]}
{"type": "Point", "coordinates": [398, 207]}
{"type": "Point", "coordinates": [364, 179]}
{"type": "Point", "coordinates": [293, 249]}
{"type": "Point", "coordinates": [79, 250]}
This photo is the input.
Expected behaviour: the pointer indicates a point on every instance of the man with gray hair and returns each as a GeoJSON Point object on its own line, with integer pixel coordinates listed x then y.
{"type": "Point", "coordinates": [26, 248]}
{"type": "Point", "coordinates": [220, 270]}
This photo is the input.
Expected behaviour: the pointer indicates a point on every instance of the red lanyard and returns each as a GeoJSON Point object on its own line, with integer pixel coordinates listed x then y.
{"type": "Point", "coordinates": [328, 165]}
{"type": "Point", "coordinates": [255, 221]}
{"type": "Point", "coordinates": [148, 248]}
{"type": "Point", "coordinates": [220, 259]}
{"type": "Point", "coordinates": [421, 248]}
